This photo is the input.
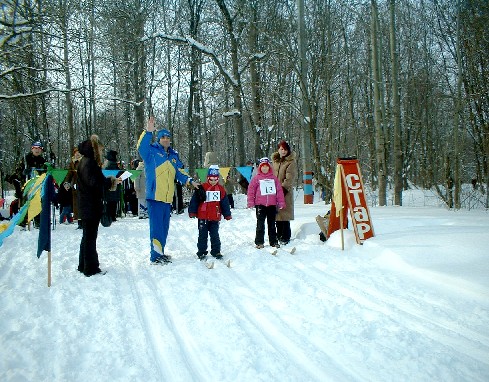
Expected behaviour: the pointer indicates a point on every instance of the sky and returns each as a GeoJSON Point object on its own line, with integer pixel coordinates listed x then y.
{"type": "Point", "coordinates": [410, 304]}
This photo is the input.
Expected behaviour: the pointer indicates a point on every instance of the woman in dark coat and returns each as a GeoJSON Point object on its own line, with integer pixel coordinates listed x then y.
{"type": "Point", "coordinates": [91, 183]}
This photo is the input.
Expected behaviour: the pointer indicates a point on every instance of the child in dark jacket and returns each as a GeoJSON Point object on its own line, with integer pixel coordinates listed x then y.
{"type": "Point", "coordinates": [266, 195]}
{"type": "Point", "coordinates": [209, 203]}
{"type": "Point", "coordinates": [65, 201]}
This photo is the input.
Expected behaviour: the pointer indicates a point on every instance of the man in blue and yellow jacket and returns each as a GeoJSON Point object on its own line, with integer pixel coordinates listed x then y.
{"type": "Point", "coordinates": [162, 166]}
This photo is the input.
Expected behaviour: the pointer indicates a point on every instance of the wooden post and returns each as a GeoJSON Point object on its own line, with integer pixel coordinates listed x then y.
{"type": "Point", "coordinates": [341, 227]}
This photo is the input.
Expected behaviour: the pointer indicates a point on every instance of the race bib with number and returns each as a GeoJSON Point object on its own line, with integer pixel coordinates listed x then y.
{"type": "Point", "coordinates": [267, 187]}
{"type": "Point", "coordinates": [213, 196]}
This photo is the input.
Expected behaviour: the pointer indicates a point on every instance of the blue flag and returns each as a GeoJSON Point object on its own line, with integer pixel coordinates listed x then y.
{"type": "Point", "coordinates": [246, 171]}
{"type": "Point", "coordinates": [48, 195]}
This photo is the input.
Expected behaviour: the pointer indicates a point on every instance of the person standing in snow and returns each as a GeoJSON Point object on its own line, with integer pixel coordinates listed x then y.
{"type": "Point", "coordinates": [140, 187]}
{"type": "Point", "coordinates": [208, 204]}
{"type": "Point", "coordinates": [71, 177]}
{"type": "Point", "coordinates": [91, 185]}
{"type": "Point", "coordinates": [65, 201]}
{"type": "Point", "coordinates": [113, 198]}
{"type": "Point", "coordinates": [30, 165]}
{"type": "Point", "coordinates": [266, 195]}
{"type": "Point", "coordinates": [285, 169]}
{"type": "Point", "coordinates": [162, 166]}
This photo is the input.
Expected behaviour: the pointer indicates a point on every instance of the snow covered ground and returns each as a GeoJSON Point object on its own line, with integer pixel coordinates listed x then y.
{"type": "Point", "coordinates": [411, 304]}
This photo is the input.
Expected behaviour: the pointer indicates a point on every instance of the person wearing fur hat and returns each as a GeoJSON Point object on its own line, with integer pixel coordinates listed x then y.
{"type": "Point", "coordinates": [285, 169]}
{"type": "Point", "coordinates": [162, 166]}
{"type": "Point", "coordinates": [209, 204]}
{"type": "Point", "coordinates": [91, 185]}
{"type": "Point", "coordinates": [266, 195]}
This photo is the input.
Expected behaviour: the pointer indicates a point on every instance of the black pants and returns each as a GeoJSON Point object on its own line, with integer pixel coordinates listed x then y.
{"type": "Point", "coordinates": [283, 231]}
{"type": "Point", "coordinates": [231, 200]}
{"type": "Point", "coordinates": [267, 213]}
{"type": "Point", "coordinates": [177, 203]}
{"type": "Point", "coordinates": [209, 228]}
{"type": "Point", "coordinates": [88, 258]}
{"type": "Point", "coordinates": [112, 209]}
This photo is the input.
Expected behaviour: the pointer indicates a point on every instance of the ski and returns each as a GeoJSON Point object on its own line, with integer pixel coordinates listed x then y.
{"type": "Point", "coordinates": [290, 251]}
{"type": "Point", "coordinates": [211, 264]}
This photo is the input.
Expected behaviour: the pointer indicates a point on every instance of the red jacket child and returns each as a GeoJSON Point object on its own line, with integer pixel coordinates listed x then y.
{"type": "Point", "coordinates": [209, 203]}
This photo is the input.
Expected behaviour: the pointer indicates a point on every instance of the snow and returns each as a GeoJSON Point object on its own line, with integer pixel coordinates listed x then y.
{"type": "Point", "coordinates": [410, 304]}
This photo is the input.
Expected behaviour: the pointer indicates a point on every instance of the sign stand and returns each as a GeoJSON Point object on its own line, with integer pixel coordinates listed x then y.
{"type": "Point", "coordinates": [350, 195]}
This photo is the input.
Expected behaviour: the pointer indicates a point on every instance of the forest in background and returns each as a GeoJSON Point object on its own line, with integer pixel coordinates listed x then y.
{"type": "Point", "coordinates": [401, 85]}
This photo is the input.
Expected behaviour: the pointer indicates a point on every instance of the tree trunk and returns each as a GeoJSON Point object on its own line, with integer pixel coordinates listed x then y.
{"type": "Point", "coordinates": [396, 112]}
{"type": "Point", "coordinates": [238, 103]}
{"type": "Point", "coordinates": [378, 120]}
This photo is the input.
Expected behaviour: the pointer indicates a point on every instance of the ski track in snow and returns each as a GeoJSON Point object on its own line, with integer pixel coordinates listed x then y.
{"type": "Point", "coordinates": [319, 314]}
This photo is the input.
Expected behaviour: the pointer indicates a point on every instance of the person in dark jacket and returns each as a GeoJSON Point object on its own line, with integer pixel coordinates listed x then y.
{"type": "Point", "coordinates": [91, 184]}
{"type": "Point", "coordinates": [29, 166]}
{"type": "Point", "coordinates": [25, 169]}
{"type": "Point", "coordinates": [113, 197]}
{"type": "Point", "coordinates": [209, 203]}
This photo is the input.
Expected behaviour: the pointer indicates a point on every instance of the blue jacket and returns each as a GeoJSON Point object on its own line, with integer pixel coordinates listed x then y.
{"type": "Point", "coordinates": [161, 169]}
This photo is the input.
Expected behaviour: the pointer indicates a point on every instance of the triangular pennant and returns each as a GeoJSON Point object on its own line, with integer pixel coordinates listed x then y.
{"type": "Point", "coordinates": [59, 175]}
{"type": "Point", "coordinates": [224, 171]}
{"type": "Point", "coordinates": [108, 173]}
{"type": "Point", "coordinates": [202, 173]}
{"type": "Point", "coordinates": [135, 174]}
{"type": "Point", "coordinates": [246, 171]}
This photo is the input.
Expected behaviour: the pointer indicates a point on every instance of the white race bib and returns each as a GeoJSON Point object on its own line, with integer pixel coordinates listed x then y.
{"type": "Point", "coordinates": [213, 196]}
{"type": "Point", "coordinates": [267, 187]}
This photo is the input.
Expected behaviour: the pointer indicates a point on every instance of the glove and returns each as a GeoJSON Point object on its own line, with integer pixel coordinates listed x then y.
{"type": "Point", "coordinates": [200, 194]}
{"type": "Point", "coordinates": [228, 217]}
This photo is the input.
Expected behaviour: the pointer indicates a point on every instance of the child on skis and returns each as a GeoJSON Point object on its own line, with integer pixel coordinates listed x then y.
{"type": "Point", "coordinates": [266, 195]}
{"type": "Point", "coordinates": [209, 203]}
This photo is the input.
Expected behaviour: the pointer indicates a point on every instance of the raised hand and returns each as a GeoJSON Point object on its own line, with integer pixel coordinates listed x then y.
{"type": "Point", "coordinates": [151, 124]}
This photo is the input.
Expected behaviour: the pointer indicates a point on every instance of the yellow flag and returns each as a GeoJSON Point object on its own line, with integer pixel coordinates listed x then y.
{"type": "Point", "coordinates": [338, 192]}
{"type": "Point", "coordinates": [224, 171]}
{"type": "Point", "coordinates": [34, 196]}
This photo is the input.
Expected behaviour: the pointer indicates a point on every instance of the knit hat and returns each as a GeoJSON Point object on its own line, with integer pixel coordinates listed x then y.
{"type": "Point", "coordinates": [213, 171]}
{"type": "Point", "coordinates": [163, 133]}
{"type": "Point", "coordinates": [37, 144]}
{"type": "Point", "coordinates": [264, 162]}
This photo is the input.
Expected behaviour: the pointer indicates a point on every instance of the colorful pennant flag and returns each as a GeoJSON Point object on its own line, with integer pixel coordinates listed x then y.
{"type": "Point", "coordinates": [246, 171]}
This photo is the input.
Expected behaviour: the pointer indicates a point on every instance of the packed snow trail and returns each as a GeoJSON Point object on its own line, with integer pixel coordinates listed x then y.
{"type": "Point", "coordinates": [404, 304]}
